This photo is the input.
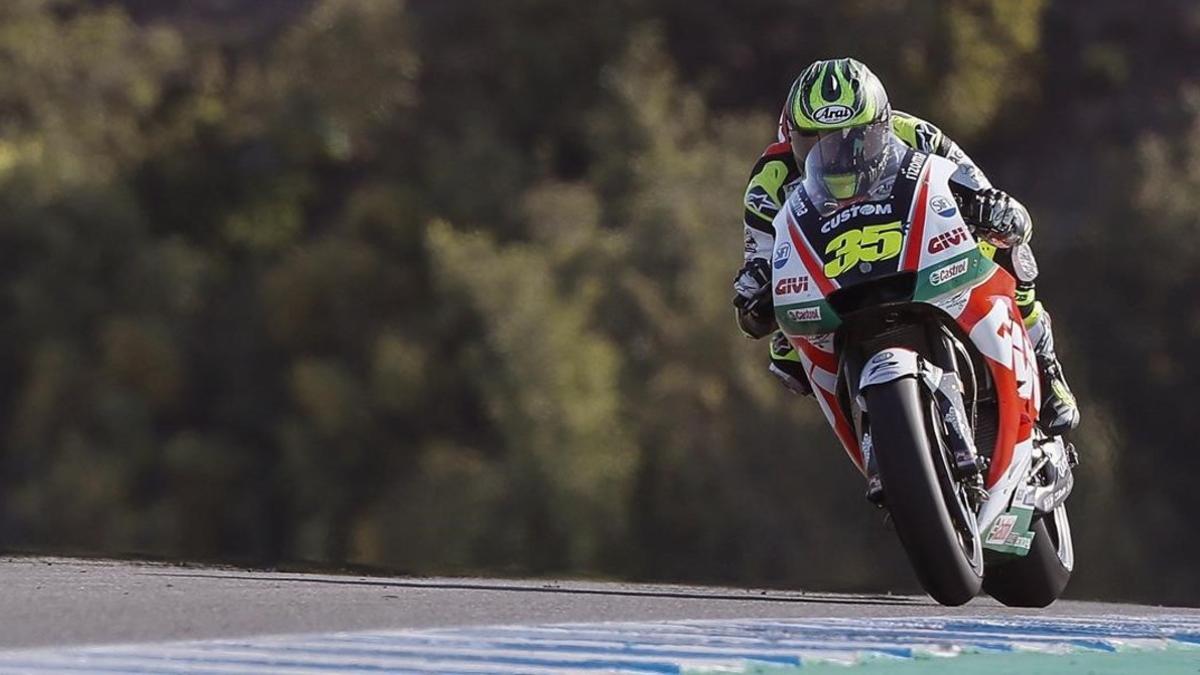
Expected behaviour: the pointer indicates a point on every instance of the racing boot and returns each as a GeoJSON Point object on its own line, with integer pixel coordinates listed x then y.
{"type": "Point", "coordinates": [785, 364]}
{"type": "Point", "coordinates": [1059, 413]}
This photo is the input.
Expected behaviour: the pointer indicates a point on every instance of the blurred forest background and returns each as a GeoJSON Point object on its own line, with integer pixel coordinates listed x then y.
{"type": "Point", "coordinates": [443, 286]}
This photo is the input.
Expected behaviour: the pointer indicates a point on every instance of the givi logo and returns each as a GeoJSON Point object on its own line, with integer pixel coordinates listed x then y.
{"type": "Point", "coordinates": [947, 239]}
{"type": "Point", "coordinates": [791, 285]}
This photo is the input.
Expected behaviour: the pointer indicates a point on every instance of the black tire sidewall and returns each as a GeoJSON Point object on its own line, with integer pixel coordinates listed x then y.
{"type": "Point", "coordinates": [903, 456]}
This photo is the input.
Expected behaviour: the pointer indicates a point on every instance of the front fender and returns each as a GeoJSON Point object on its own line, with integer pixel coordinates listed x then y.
{"type": "Point", "coordinates": [894, 363]}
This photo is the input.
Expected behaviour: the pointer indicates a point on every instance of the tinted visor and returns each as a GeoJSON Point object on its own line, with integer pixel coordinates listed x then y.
{"type": "Point", "coordinates": [845, 163]}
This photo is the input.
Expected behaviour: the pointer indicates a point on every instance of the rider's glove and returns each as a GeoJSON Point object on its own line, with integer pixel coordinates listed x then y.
{"type": "Point", "coordinates": [997, 217]}
{"type": "Point", "coordinates": [752, 286]}
{"type": "Point", "coordinates": [753, 300]}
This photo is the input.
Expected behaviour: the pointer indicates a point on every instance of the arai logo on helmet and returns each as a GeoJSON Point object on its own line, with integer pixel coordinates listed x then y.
{"type": "Point", "coordinates": [832, 114]}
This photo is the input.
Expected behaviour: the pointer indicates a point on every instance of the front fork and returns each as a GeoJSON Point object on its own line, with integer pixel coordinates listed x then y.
{"type": "Point", "coordinates": [969, 466]}
{"type": "Point", "coordinates": [946, 390]}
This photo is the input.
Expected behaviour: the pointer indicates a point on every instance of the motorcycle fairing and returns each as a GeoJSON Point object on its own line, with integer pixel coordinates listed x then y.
{"type": "Point", "coordinates": [820, 363]}
{"type": "Point", "coordinates": [953, 275]}
{"type": "Point", "coordinates": [936, 246]}
{"type": "Point", "coordinates": [991, 319]}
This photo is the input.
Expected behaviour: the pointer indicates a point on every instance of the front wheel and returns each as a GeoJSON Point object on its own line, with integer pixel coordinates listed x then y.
{"type": "Point", "coordinates": [938, 551]}
{"type": "Point", "coordinates": [1039, 577]}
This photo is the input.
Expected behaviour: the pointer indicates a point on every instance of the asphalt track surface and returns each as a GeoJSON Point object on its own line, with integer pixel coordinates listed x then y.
{"type": "Point", "coordinates": [51, 602]}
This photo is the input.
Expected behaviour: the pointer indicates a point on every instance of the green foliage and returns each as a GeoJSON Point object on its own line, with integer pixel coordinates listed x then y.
{"type": "Point", "coordinates": [445, 286]}
{"type": "Point", "coordinates": [989, 44]}
{"type": "Point", "coordinates": [76, 111]}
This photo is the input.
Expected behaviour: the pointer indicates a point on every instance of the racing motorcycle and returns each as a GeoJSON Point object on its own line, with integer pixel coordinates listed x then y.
{"type": "Point", "coordinates": [919, 359]}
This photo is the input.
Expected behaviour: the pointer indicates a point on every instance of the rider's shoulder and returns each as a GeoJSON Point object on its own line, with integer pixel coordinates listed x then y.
{"type": "Point", "coordinates": [776, 151]}
{"type": "Point", "coordinates": [776, 159]}
{"type": "Point", "coordinates": [916, 132]}
{"type": "Point", "coordinates": [775, 168]}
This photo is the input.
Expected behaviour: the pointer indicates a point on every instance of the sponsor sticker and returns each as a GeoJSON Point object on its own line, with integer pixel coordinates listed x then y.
{"type": "Point", "coordinates": [791, 286]}
{"type": "Point", "coordinates": [853, 212]}
{"type": "Point", "coordinates": [782, 255]}
{"type": "Point", "coordinates": [1001, 529]}
{"type": "Point", "coordinates": [955, 304]}
{"type": "Point", "coordinates": [947, 240]}
{"type": "Point", "coordinates": [804, 314]}
{"type": "Point", "coordinates": [879, 370]}
{"type": "Point", "coordinates": [942, 206]}
{"type": "Point", "coordinates": [913, 170]}
{"type": "Point", "coordinates": [949, 272]}
{"type": "Point", "coordinates": [880, 363]}
{"type": "Point", "coordinates": [822, 341]}
{"type": "Point", "coordinates": [832, 114]}
{"type": "Point", "coordinates": [797, 206]}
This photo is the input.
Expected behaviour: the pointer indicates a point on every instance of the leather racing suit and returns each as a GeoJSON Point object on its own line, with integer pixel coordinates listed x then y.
{"type": "Point", "coordinates": [776, 174]}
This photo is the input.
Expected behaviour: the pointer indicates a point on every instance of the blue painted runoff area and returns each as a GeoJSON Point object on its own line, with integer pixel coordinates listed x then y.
{"type": "Point", "coordinates": [1024, 644]}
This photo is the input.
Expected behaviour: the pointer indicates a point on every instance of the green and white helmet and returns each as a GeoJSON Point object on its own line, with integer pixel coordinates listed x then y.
{"type": "Point", "coordinates": [836, 94]}
{"type": "Point", "coordinates": [840, 128]}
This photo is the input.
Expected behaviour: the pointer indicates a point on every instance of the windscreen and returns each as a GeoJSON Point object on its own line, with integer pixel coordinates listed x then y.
{"type": "Point", "coordinates": [849, 164]}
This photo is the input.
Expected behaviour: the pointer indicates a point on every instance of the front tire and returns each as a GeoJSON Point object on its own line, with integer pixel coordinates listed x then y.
{"type": "Point", "coordinates": [904, 458]}
{"type": "Point", "coordinates": [1039, 577]}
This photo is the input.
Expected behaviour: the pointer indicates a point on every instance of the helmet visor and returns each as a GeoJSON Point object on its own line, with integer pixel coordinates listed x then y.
{"type": "Point", "coordinates": [846, 163]}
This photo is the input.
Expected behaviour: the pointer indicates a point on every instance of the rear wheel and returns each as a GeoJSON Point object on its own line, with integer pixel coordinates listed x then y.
{"type": "Point", "coordinates": [1038, 578]}
{"type": "Point", "coordinates": [947, 561]}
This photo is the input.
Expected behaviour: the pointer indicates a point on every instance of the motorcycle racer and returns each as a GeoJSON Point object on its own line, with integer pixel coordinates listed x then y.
{"type": "Point", "coordinates": [843, 97]}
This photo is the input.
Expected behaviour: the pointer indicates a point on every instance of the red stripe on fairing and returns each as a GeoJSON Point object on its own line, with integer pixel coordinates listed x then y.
{"type": "Point", "coordinates": [821, 359]}
{"type": "Point", "coordinates": [916, 232]}
{"type": "Point", "coordinates": [809, 258]}
{"type": "Point", "coordinates": [847, 436]}
{"type": "Point", "coordinates": [841, 426]}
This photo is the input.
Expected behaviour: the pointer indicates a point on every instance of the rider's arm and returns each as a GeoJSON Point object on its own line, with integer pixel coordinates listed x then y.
{"type": "Point", "coordinates": [753, 304]}
{"type": "Point", "coordinates": [995, 215]}
{"type": "Point", "coordinates": [761, 201]}
{"type": "Point", "coordinates": [926, 137]}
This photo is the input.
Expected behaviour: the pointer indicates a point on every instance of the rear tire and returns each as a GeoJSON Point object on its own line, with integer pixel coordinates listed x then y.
{"type": "Point", "coordinates": [903, 456]}
{"type": "Point", "coordinates": [1038, 578]}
